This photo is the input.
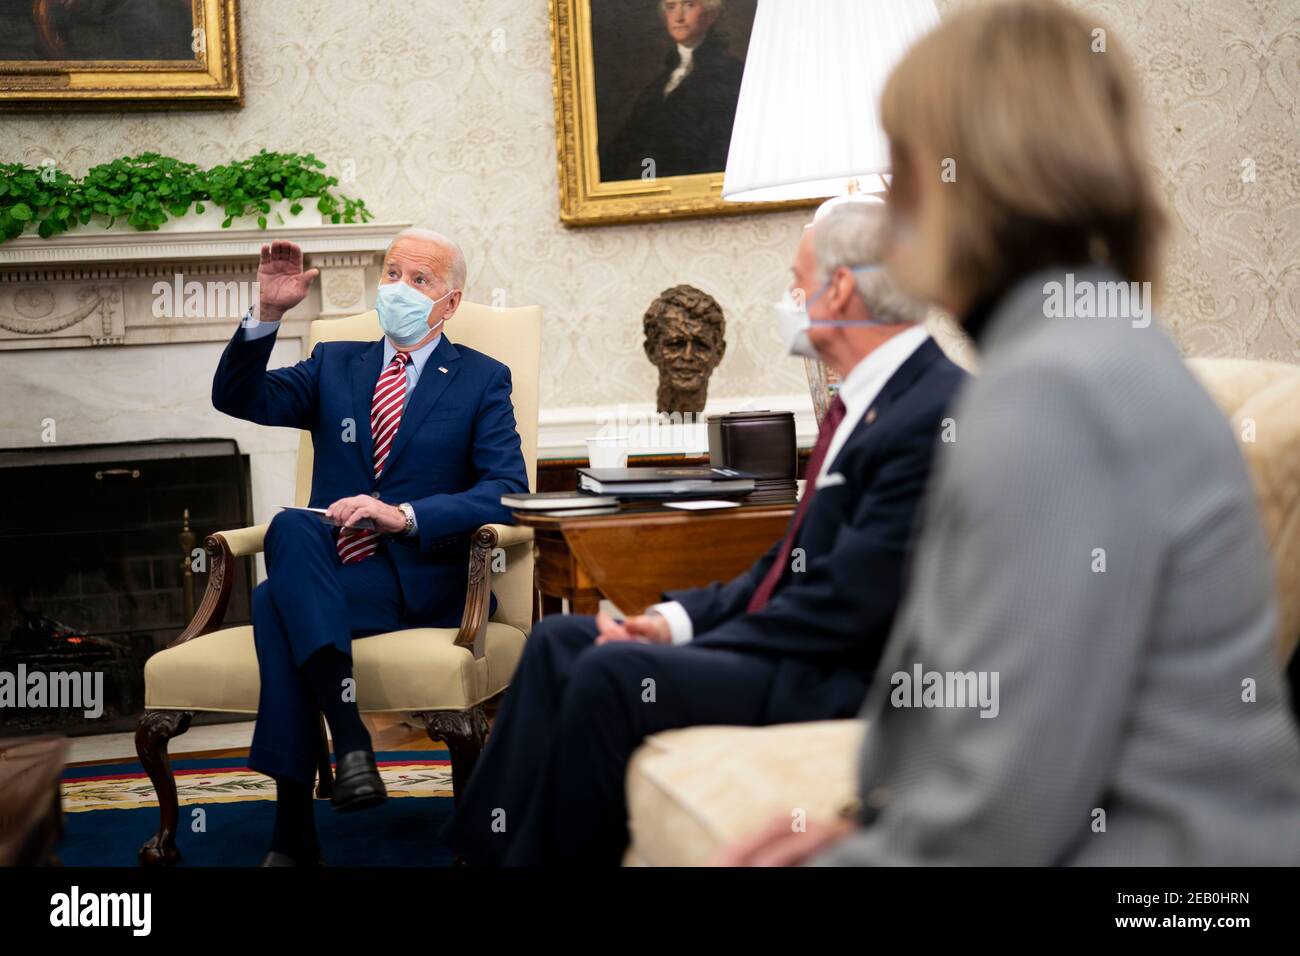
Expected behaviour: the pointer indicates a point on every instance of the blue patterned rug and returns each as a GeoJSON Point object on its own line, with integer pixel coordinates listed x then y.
{"type": "Point", "coordinates": [227, 811]}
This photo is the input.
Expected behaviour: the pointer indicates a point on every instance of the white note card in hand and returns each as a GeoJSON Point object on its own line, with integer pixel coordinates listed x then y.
{"type": "Point", "coordinates": [704, 505]}
{"type": "Point", "coordinates": [365, 524]}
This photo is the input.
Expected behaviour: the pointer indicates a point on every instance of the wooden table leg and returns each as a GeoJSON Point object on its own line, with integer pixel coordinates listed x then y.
{"type": "Point", "coordinates": [585, 602]}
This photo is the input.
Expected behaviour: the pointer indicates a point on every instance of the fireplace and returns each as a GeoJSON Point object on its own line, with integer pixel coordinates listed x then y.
{"type": "Point", "coordinates": [101, 565]}
{"type": "Point", "coordinates": [108, 437]}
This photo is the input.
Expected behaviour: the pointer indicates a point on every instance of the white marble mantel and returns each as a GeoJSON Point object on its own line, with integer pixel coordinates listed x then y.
{"type": "Point", "coordinates": [84, 359]}
{"type": "Point", "coordinates": [96, 287]}
{"type": "Point", "coordinates": [117, 245]}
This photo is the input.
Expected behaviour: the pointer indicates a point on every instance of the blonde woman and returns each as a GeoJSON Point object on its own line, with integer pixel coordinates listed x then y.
{"type": "Point", "coordinates": [1091, 571]}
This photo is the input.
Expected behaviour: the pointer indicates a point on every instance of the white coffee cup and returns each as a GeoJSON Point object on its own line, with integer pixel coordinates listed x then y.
{"type": "Point", "coordinates": [607, 451]}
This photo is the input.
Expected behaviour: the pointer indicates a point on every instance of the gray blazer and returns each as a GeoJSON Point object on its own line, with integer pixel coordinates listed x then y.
{"type": "Point", "coordinates": [1091, 539]}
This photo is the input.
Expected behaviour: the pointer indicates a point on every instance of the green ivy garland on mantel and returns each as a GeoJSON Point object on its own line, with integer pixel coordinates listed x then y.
{"type": "Point", "coordinates": [148, 189]}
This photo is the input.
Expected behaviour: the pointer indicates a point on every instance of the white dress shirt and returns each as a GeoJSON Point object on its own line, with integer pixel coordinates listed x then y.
{"type": "Point", "coordinates": [687, 60]}
{"type": "Point", "coordinates": [860, 388]}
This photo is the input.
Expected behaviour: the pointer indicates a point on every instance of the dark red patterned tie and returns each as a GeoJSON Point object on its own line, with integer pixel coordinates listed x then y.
{"type": "Point", "coordinates": [357, 544]}
{"type": "Point", "coordinates": [763, 593]}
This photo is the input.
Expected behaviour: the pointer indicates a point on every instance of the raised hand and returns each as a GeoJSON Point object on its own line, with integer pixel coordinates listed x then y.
{"type": "Point", "coordinates": [282, 282]}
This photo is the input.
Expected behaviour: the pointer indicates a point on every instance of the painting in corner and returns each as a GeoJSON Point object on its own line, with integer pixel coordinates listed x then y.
{"type": "Point", "coordinates": [119, 54]}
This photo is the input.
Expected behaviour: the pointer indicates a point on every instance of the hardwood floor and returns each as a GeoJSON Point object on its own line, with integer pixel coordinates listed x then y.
{"type": "Point", "coordinates": [387, 731]}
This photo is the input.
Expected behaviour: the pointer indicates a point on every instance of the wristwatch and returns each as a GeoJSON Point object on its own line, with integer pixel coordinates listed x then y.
{"type": "Point", "coordinates": [407, 510]}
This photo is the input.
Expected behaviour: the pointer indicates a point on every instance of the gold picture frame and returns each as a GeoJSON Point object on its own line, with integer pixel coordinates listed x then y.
{"type": "Point", "coordinates": [585, 199]}
{"type": "Point", "coordinates": [44, 81]}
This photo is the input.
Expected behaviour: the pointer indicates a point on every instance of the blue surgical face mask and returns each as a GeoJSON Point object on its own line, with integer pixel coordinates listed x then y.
{"type": "Point", "coordinates": [793, 322]}
{"type": "Point", "coordinates": [404, 312]}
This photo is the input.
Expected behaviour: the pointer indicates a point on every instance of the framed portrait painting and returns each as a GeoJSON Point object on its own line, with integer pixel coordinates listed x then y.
{"type": "Point", "coordinates": [645, 96]}
{"type": "Point", "coordinates": [119, 54]}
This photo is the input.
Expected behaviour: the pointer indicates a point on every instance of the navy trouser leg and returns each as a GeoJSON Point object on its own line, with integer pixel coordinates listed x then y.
{"type": "Point", "coordinates": [286, 712]}
{"type": "Point", "coordinates": [493, 807]}
{"type": "Point", "coordinates": [302, 572]}
{"type": "Point", "coordinates": [308, 601]}
{"type": "Point", "coordinates": [617, 695]}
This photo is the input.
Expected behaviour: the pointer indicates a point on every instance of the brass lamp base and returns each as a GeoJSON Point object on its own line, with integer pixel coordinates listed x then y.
{"type": "Point", "coordinates": [822, 386]}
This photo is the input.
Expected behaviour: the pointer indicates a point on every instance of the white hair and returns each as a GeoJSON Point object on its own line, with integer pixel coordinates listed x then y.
{"type": "Point", "coordinates": [852, 235]}
{"type": "Point", "coordinates": [457, 271]}
{"type": "Point", "coordinates": [713, 6]}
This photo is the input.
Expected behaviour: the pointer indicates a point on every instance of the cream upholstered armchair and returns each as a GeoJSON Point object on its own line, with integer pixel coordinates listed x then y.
{"type": "Point", "coordinates": [691, 792]}
{"type": "Point", "coordinates": [442, 675]}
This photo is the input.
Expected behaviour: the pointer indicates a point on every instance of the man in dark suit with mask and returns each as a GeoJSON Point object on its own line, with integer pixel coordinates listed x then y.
{"type": "Point", "coordinates": [682, 120]}
{"type": "Point", "coordinates": [414, 444]}
{"type": "Point", "coordinates": [795, 638]}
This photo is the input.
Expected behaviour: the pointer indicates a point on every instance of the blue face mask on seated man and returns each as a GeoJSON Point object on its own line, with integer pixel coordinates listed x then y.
{"type": "Point", "coordinates": [793, 322]}
{"type": "Point", "coordinates": [404, 312]}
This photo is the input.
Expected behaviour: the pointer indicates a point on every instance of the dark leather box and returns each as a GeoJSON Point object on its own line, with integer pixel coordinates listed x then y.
{"type": "Point", "coordinates": [761, 443]}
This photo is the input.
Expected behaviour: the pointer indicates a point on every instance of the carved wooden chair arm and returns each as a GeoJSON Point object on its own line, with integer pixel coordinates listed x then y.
{"type": "Point", "coordinates": [478, 593]}
{"type": "Point", "coordinates": [509, 535]}
{"type": "Point", "coordinates": [244, 541]}
{"type": "Point", "coordinates": [222, 548]}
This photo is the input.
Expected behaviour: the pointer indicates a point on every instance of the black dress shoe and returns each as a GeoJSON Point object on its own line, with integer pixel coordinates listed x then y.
{"type": "Point", "coordinates": [276, 858]}
{"type": "Point", "coordinates": [357, 784]}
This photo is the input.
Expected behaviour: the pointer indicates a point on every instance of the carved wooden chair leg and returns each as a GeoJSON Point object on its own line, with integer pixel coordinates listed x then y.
{"type": "Point", "coordinates": [324, 777]}
{"type": "Point", "coordinates": [155, 729]}
{"type": "Point", "coordinates": [464, 732]}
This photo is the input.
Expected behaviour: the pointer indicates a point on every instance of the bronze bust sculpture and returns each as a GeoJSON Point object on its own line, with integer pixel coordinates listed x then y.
{"type": "Point", "coordinates": [685, 338]}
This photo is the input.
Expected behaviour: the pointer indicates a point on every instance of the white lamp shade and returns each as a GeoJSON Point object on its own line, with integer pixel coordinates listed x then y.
{"type": "Point", "coordinates": [808, 119]}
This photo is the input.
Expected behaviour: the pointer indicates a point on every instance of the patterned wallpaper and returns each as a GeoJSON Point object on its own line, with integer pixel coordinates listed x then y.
{"type": "Point", "coordinates": [1223, 83]}
{"type": "Point", "coordinates": [447, 117]}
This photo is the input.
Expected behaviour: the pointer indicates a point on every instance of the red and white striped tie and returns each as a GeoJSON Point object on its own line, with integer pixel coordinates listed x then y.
{"type": "Point", "coordinates": [357, 544]}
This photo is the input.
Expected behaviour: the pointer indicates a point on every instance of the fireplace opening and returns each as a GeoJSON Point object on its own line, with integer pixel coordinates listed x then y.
{"type": "Point", "coordinates": [98, 570]}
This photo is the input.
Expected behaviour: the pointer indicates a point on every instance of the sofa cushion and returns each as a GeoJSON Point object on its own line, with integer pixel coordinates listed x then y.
{"type": "Point", "coordinates": [690, 792]}
{"type": "Point", "coordinates": [1260, 401]}
{"type": "Point", "coordinates": [417, 669]}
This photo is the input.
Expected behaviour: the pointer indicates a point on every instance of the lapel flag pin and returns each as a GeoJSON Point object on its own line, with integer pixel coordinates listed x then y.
{"type": "Point", "coordinates": [442, 369]}
{"type": "Point", "coordinates": [871, 415]}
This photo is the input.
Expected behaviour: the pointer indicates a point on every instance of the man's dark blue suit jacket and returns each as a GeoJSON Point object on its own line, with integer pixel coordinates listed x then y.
{"type": "Point", "coordinates": [455, 454]}
{"type": "Point", "coordinates": [828, 623]}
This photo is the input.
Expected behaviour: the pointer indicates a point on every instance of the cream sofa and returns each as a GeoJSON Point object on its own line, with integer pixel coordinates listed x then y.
{"type": "Point", "coordinates": [691, 792]}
